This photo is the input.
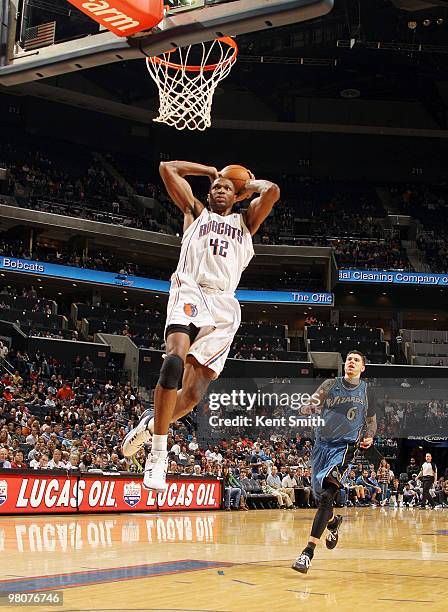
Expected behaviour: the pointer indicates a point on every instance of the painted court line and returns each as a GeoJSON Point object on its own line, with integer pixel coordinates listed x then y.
{"type": "Point", "coordinates": [306, 592]}
{"type": "Point", "coordinates": [412, 600]}
{"type": "Point", "coordinates": [321, 569]}
{"type": "Point", "coordinates": [114, 574]}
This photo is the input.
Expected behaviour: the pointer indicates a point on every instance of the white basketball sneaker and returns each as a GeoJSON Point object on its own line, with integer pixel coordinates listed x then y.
{"type": "Point", "coordinates": [154, 476]}
{"type": "Point", "coordinates": [147, 470]}
{"type": "Point", "coordinates": [139, 436]}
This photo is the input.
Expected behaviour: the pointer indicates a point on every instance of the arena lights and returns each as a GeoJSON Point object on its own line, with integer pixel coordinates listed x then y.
{"type": "Point", "coordinates": [412, 25]}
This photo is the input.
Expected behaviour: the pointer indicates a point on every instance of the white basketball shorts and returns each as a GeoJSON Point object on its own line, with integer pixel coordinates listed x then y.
{"type": "Point", "coordinates": [217, 315]}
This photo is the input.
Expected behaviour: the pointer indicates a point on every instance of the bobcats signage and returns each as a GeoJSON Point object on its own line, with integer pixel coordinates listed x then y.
{"type": "Point", "coordinates": [32, 493]}
{"type": "Point", "coordinates": [12, 264]}
{"type": "Point", "coordinates": [123, 17]}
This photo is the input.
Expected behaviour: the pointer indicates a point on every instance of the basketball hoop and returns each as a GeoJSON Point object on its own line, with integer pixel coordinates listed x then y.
{"type": "Point", "coordinates": [187, 79]}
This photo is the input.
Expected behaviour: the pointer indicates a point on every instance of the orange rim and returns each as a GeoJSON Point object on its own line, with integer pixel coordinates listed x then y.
{"type": "Point", "coordinates": [155, 59]}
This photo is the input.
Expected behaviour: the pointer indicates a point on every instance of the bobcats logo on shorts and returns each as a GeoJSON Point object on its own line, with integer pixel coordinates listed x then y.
{"type": "Point", "coordinates": [191, 310]}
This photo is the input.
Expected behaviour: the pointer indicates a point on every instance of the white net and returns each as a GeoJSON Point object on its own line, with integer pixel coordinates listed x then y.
{"type": "Point", "coordinates": [187, 79]}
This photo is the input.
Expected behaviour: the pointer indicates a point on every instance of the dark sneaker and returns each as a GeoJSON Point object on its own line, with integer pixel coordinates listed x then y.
{"type": "Point", "coordinates": [332, 538]}
{"type": "Point", "coordinates": [302, 564]}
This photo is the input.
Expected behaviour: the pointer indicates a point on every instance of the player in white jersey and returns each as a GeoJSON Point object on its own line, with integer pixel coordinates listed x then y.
{"type": "Point", "coordinates": [203, 314]}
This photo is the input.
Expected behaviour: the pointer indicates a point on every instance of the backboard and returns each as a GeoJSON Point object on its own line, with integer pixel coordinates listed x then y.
{"type": "Point", "coordinates": [185, 22]}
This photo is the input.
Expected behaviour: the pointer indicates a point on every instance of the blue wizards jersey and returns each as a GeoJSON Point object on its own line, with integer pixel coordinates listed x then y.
{"type": "Point", "coordinates": [344, 411]}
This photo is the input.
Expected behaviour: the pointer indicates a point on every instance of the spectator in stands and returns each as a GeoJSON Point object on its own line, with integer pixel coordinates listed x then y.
{"type": "Point", "coordinates": [355, 492]}
{"type": "Point", "coordinates": [193, 445]}
{"type": "Point", "coordinates": [86, 462]}
{"type": "Point", "coordinates": [56, 462]}
{"type": "Point", "coordinates": [99, 462]}
{"type": "Point", "coordinates": [43, 462]}
{"type": "Point", "coordinates": [283, 499]}
{"type": "Point", "coordinates": [416, 485]}
{"type": "Point", "coordinates": [4, 463]}
{"type": "Point", "coordinates": [50, 402]}
{"type": "Point", "coordinates": [303, 491]}
{"type": "Point", "coordinates": [370, 489]}
{"type": "Point", "coordinates": [273, 480]}
{"type": "Point", "coordinates": [236, 483]}
{"type": "Point", "coordinates": [412, 468]}
{"type": "Point", "coordinates": [16, 378]}
{"type": "Point", "coordinates": [410, 497]}
{"type": "Point", "coordinates": [67, 442]}
{"type": "Point", "coordinates": [384, 478]}
{"type": "Point", "coordinates": [183, 456]}
{"type": "Point", "coordinates": [257, 459]}
{"type": "Point", "coordinates": [231, 493]}
{"type": "Point", "coordinates": [173, 468]}
{"type": "Point", "coordinates": [375, 483]}
{"type": "Point", "coordinates": [18, 462]}
{"type": "Point", "coordinates": [65, 393]}
{"type": "Point", "coordinates": [396, 494]}
{"type": "Point", "coordinates": [175, 448]}
{"type": "Point", "coordinates": [442, 493]}
{"type": "Point", "coordinates": [73, 462]}
{"type": "Point", "coordinates": [87, 367]}
{"type": "Point", "coordinates": [215, 455]}
{"type": "Point", "coordinates": [32, 437]}
{"type": "Point", "coordinates": [289, 482]}
{"type": "Point", "coordinates": [34, 463]}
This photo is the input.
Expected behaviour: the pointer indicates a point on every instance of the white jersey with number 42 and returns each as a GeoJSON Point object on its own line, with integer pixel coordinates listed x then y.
{"type": "Point", "coordinates": [215, 251]}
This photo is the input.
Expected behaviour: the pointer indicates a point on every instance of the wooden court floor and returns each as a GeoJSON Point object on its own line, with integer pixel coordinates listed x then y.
{"type": "Point", "coordinates": [387, 559]}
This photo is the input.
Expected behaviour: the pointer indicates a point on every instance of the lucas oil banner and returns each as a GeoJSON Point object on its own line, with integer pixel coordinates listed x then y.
{"type": "Point", "coordinates": [28, 493]}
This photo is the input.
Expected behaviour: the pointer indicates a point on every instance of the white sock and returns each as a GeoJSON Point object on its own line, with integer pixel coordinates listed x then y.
{"type": "Point", "coordinates": [150, 426]}
{"type": "Point", "coordinates": [159, 442]}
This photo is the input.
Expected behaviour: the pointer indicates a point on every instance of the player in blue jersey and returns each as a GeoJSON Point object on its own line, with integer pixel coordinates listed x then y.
{"type": "Point", "coordinates": [350, 423]}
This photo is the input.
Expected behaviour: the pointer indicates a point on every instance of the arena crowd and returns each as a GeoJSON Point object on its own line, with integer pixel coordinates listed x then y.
{"type": "Point", "coordinates": [48, 421]}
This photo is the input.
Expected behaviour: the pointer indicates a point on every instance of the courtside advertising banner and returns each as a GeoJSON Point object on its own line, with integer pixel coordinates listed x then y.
{"type": "Point", "coordinates": [29, 493]}
{"type": "Point", "coordinates": [390, 277]}
{"type": "Point", "coordinates": [42, 268]}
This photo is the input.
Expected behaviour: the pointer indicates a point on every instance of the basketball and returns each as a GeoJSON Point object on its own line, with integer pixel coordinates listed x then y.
{"type": "Point", "coordinates": [239, 175]}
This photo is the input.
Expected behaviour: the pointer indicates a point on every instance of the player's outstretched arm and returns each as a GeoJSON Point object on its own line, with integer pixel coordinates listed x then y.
{"type": "Point", "coordinates": [260, 207]}
{"type": "Point", "coordinates": [173, 175]}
